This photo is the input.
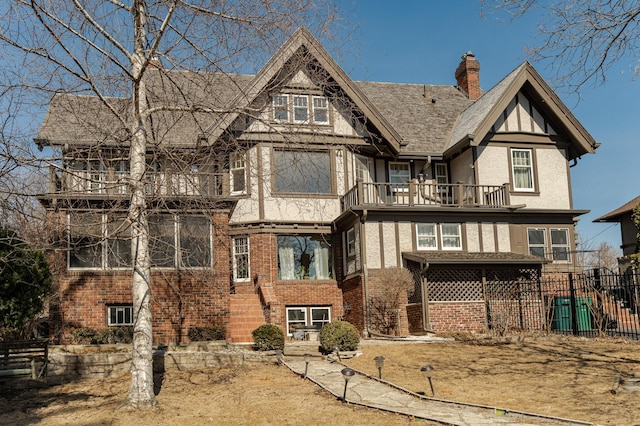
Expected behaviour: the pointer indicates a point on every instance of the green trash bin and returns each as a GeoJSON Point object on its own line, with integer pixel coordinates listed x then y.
{"type": "Point", "coordinates": [563, 315]}
{"type": "Point", "coordinates": [583, 308]}
{"type": "Point", "coordinates": [562, 318]}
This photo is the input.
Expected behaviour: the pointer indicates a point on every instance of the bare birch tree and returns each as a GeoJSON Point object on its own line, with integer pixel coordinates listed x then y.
{"type": "Point", "coordinates": [581, 40]}
{"type": "Point", "coordinates": [106, 49]}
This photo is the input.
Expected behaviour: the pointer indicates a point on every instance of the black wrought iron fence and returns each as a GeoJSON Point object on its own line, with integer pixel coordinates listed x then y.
{"type": "Point", "coordinates": [589, 304]}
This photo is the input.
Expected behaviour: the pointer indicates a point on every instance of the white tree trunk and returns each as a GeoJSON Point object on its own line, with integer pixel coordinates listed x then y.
{"type": "Point", "coordinates": [141, 394]}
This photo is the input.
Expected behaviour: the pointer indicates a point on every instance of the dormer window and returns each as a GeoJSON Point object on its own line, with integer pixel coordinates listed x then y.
{"type": "Point", "coordinates": [293, 108]}
{"type": "Point", "coordinates": [300, 109]}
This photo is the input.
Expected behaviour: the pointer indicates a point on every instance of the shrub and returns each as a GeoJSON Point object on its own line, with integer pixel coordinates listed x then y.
{"type": "Point", "coordinates": [341, 334]}
{"type": "Point", "coordinates": [202, 334]}
{"type": "Point", "coordinates": [90, 336]}
{"type": "Point", "coordinates": [268, 337]}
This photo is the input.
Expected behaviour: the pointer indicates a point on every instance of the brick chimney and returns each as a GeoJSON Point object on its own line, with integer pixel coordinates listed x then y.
{"type": "Point", "coordinates": [468, 76]}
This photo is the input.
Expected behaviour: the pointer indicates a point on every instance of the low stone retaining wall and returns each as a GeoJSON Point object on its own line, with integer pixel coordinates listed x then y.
{"type": "Point", "coordinates": [73, 362]}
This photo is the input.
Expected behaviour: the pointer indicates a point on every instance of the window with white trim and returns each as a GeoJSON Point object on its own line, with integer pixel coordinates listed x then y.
{"type": "Point", "coordinates": [427, 238]}
{"type": "Point", "coordinates": [119, 315]}
{"type": "Point", "coordinates": [522, 169]}
{"type": "Point", "coordinates": [320, 110]}
{"type": "Point", "coordinates": [300, 109]}
{"type": "Point", "coordinates": [450, 236]}
{"type": "Point", "coordinates": [303, 316]}
{"type": "Point", "coordinates": [537, 241]}
{"type": "Point", "coordinates": [241, 258]}
{"type": "Point", "coordinates": [399, 176]}
{"type": "Point", "coordinates": [560, 247]}
{"type": "Point", "coordinates": [237, 171]}
{"type": "Point", "coordinates": [280, 107]}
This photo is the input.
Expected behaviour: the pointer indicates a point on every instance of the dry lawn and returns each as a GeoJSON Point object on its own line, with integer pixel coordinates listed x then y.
{"type": "Point", "coordinates": [561, 377]}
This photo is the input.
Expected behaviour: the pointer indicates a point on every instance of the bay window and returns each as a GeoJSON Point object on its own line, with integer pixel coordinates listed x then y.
{"type": "Point", "coordinates": [304, 257]}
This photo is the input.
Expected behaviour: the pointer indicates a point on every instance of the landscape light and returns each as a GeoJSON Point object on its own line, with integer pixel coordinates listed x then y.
{"type": "Point", "coordinates": [426, 370]}
{"type": "Point", "coordinates": [347, 373]}
{"type": "Point", "coordinates": [379, 363]}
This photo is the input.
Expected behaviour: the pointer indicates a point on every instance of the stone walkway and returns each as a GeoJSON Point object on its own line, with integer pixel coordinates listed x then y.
{"type": "Point", "coordinates": [371, 392]}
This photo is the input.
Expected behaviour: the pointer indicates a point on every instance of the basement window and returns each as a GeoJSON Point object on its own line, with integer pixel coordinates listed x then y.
{"type": "Point", "coordinates": [120, 315]}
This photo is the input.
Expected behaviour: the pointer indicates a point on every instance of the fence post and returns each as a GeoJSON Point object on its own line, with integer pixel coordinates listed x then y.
{"type": "Point", "coordinates": [574, 310]}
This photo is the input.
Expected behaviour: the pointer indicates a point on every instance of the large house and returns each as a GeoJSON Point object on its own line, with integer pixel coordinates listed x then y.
{"type": "Point", "coordinates": [281, 197]}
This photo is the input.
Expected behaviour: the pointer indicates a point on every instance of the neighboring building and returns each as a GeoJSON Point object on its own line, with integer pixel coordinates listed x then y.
{"type": "Point", "coordinates": [628, 230]}
{"type": "Point", "coordinates": [285, 206]}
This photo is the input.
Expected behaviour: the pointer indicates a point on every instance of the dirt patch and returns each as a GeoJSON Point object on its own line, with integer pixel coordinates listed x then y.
{"type": "Point", "coordinates": [565, 377]}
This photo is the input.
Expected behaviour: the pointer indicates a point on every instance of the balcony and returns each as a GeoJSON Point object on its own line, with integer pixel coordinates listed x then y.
{"type": "Point", "coordinates": [82, 184]}
{"type": "Point", "coordinates": [425, 194]}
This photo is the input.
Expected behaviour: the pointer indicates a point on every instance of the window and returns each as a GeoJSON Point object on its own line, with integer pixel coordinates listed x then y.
{"type": "Point", "coordinates": [351, 242]}
{"type": "Point", "coordinates": [363, 168]}
{"type": "Point", "coordinates": [450, 236]}
{"type": "Point", "coordinates": [300, 109]}
{"type": "Point", "coordinates": [85, 240]}
{"type": "Point", "coordinates": [241, 258]}
{"type": "Point", "coordinates": [87, 176]}
{"type": "Point", "coordinates": [118, 242]}
{"type": "Point", "coordinates": [522, 169]}
{"type": "Point", "coordinates": [320, 110]}
{"type": "Point", "coordinates": [451, 239]}
{"type": "Point", "coordinates": [195, 241]}
{"type": "Point", "coordinates": [537, 241]}
{"type": "Point", "coordinates": [302, 172]}
{"type": "Point", "coordinates": [304, 108]}
{"type": "Point", "coordinates": [120, 315]}
{"type": "Point", "coordinates": [299, 316]}
{"type": "Point", "coordinates": [162, 246]}
{"type": "Point", "coordinates": [304, 257]}
{"type": "Point", "coordinates": [399, 175]}
{"type": "Point", "coordinates": [560, 245]}
{"type": "Point", "coordinates": [121, 175]}
{"type": "Point", "coordinates": [442, 181]}
{"type": "Point", "coordinates": [427, 239]}
{"type": "Point", "coordinates": [237, 171]}
{"type": "Point", "coordinates": [281, 107]}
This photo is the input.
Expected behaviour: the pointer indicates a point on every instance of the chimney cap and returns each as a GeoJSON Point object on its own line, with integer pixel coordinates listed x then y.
{"type": "Point", "coordinates": [469, 53]}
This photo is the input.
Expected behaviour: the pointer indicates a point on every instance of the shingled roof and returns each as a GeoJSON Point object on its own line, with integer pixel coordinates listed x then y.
{"type": "Point", "coordinates": [438, 258]}
{"type": "Point", "coordinates": [614, 216]}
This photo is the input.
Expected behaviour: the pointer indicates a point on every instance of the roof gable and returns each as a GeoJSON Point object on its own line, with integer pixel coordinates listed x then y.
{"type": "Point", "coordinates": [486, 114]}
{"type": "Point", "coordinates": [303, 50]}
{"type": "Point", "coordinates": [614, 216]}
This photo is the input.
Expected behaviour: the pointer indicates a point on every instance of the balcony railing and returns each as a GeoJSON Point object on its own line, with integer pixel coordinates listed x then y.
{"type": "Point", "coordinates": [426, 194]}
{"type": "Point", "coordinates": [90, 184]}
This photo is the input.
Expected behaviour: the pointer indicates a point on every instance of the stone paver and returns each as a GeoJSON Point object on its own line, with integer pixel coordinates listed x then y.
{"type": "Point", "coordinates": [368, 391]}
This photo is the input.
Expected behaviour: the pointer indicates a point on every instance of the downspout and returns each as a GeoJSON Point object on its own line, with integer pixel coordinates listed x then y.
{"type": "Point", "coordinates": [365, 273]}
{"type": "Point", "coordinates": [425, 296]}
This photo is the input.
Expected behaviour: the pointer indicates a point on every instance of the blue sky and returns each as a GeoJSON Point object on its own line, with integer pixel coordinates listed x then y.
{"type": "Point", "coordinates": [422, 42]}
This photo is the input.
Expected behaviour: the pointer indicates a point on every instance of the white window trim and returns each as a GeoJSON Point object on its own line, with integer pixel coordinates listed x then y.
{"type": "Point", "coordinates": [313, 110]}
{"type": "Point", "coordinates": [308, 315]}
{"type": "Point", "coordinates": [403, 186]}
{"type": "Point", "coordinates": [458, 235]}
{"type": "Point", "coordinates": [119, 307]}
{"type": "Point", "coordinates": [284, 106]}
{"type": "Point", "coordinates": [306, 107]}
{"type": "Point", "coordinates": [513, 170]}
{"type": "Point", "coordinates": [435, 235]}
{"type": "Point", "coordinates": [235, 261]}
{"type": "Point", "coordinates": [232, 163]}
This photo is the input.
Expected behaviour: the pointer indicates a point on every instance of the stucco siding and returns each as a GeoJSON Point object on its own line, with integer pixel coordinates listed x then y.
{"type": "Point", "coordinates": [504, 240]}
{"type": "Point", "coordinates": [390, 247]}
{"type": "Point", "coordinates": [488, 238]}
{"type": "Point", "coordinates": [372, 233]}
{"type": "Point", "coordinates": [405, 236]}
{"type": "Point", "coordinates": [473, 237]}
{"type": "Point", "coordinates": [493, 165]}
{"type": "Point", "coordinates": [551, 171]}
{"type": "Point", "coordinates": [461, 168]}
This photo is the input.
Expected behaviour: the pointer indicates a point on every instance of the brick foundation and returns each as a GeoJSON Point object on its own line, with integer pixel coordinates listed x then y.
{"type": "Point", "coordinates": [457, 316]}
